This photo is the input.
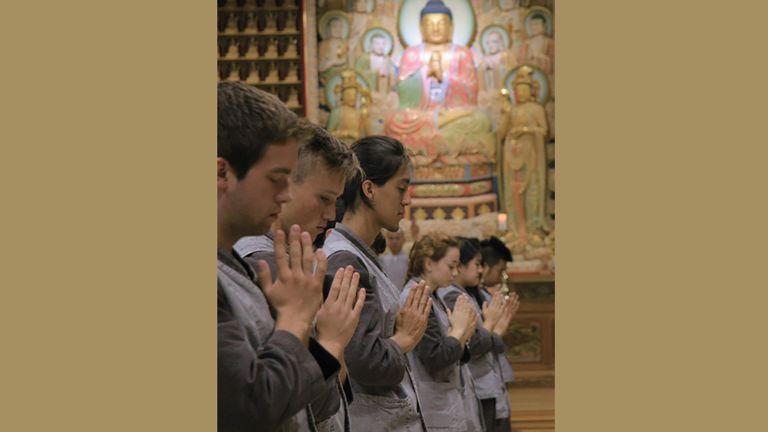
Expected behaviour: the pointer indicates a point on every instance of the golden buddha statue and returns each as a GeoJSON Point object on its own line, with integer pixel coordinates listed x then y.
{"type": "Point", "coordinates": [438, 118]}
{"type": "Point", "coordinates": [347, 121]}
{"type": "Point", "coordinates": [523, 130]}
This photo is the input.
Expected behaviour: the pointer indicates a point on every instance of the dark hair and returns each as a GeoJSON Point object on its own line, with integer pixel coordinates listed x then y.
{"type": "Point", "coordinates": [469, 249]}
{"type": "Point", "coordinates": [433, 246]}
{"type": "Point", "coordinates": [379, 244]}
{"type": "Point", "coordinates": [539, 17]}
{"type": "Point", "coordinates": [380, 158]}
{"type": "Point", "coordinates": [494, 250]}
{"type": "Point", "coordinates": [325, 148]}
{"type": "Point", "coordinates": [249, 120]}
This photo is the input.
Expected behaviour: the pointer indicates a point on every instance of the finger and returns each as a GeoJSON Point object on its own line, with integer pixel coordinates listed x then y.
{"type": "Point", "coordinates": [281, 258]}
{"type": "Point", "coordinates": [295, 250]}
{"type": "Point", "coordinates": [427, 309]}
{"type": "Point", "coordinates": [450, 315]}
{"type": "Point", "coordinates": [352, 289]}
{"type": "Point", "coordinates": [359, 304]}
{"type": "Point", "coordinates": [322, 266]}
{"type": "Point", "coordinates": [418, 296]}
{"type": "Point", "coordinates": [308, 255]}
{"type": "Point", "coordinates": [265, 276]}
{"type": "Point", "coordinates": [424, 300]}
{"type": "Point", "coordinates": [409, 297]}
{"type": "Point", "coordinates": [333, 293]}
{"type": "Point", "coordinates": [347, 278]}
{"type": "Point", "coordinates": [485, 306]}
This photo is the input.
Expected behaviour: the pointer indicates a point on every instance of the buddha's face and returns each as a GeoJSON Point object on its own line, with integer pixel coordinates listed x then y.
{"type": "Point", "coordinates": [378, 46]}
{"type": "Point", "coordinates": [349, 97]}
{"type": "Point", "coordinates": [336, 28]}
{"type": "Point", "coordinates": [436, 28]}
{"type": "Point", "coordinates": [537, 26]}
{"type": "Point", "coordinates": [523, 93]}
{"type": "Point", "coordinates": [494, 43]}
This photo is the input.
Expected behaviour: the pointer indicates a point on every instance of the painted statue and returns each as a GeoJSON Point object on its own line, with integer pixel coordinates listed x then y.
{"type": "Point", "coordinates": [349, 121]}
{"type": "Point", "coordinates": [497, 59]}
{"type": "Point", "coordinates": [332, 50]}
{"type": "Point", "coordinates": [375, 64]}
{"type": "Point", "coordinates": [524, 129]}
{"type": "Point", "coordinates": [438, 118]}
{"type": "Point", "coordinates": [539, 48]}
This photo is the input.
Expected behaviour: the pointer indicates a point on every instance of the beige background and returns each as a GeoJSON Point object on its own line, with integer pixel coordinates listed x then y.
{"type": "Point", "coordinates": [109, 217]}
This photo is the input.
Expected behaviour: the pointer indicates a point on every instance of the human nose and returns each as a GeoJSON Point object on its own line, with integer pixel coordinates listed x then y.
{"type": "Point", "coordinates": [284, 194]}
{"type": "Point", "coordinates": [407, 198]}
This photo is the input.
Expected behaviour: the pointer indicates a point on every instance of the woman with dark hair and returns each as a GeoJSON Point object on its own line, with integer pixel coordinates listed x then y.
{"type": "Point", "coordinates": [384, 389]}
{"type": "Point", "coordinates": [445, 385]}
{"type": "Point", "coordinates": [486, 344]}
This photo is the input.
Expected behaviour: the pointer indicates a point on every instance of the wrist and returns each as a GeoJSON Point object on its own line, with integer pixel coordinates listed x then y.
{"type": "Point", "coordinates": [333, 347]}
{"type": "Point", "coordinates": [297, 327]}
{"type": "Point", "coordinates": [403, 341]}
{"type": "Point", "coordinates": [488, 325]}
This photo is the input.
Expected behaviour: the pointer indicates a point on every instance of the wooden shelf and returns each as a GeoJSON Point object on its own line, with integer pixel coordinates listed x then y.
{"type": "Point", "coordinates": [258, 9]}
{"type": "Point", "coordinates": [260, 58]}
{"type": "Point", "coordinates": [264, 33]}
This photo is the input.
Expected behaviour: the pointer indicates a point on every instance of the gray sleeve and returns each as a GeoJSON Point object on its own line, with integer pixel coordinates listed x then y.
{"type": "Point", "coordinates": [327, 404]}
{"type": "Point", "coordinates": [371, 359]}
{"type": "Point", "coordinates": [268, 256]}
{"type": "Point", "coordinates": [480, 342]}
{"type": "Point", "coordinates": [435, 350]}
{"type": "Point", "coordinates": [498, 344]}
{"type": "Point", "coordinates": [262, 388]}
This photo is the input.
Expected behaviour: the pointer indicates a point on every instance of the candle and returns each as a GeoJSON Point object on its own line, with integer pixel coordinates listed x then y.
{"type": "Point", "coordinates": [502, 220]}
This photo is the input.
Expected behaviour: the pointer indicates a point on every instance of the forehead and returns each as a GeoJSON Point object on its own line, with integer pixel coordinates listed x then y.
{"type": "Point", "coordinates": [280, 157]}
{"type": "Point", "coordinates": [320, 177]}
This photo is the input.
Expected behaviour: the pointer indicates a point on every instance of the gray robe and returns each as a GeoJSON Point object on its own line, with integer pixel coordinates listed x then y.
{"type": "Point", "coordinates": [446, 389]}
{"type": "Point", "coordinates": [266, 378]}
{"type": "Point", "coordinates": [385, 392]}
{"type": "Point", "coordinates": [331, 411]}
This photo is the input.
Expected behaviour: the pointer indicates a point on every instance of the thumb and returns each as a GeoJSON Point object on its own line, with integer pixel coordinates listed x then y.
{"type": "Point", "coordinates": [265, 276]}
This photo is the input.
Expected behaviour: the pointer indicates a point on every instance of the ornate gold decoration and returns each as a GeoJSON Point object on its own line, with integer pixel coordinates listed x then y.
{"type": "Point", "coordinates": [420, 214]}
{"type": "Point", "coordinates": [483, 209]}
{"type": "Point", "coordinates": [457, 214]}
{"type": "Point", "coordinates": [439, 214]}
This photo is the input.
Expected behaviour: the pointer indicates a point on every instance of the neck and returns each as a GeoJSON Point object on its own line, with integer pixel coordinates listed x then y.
{"type": "Point", "coordinates": [363, 223]}
{"type": "Point", "coordinates": [225, 239]}
{"type": "Point", "coordinates": [430, 283]}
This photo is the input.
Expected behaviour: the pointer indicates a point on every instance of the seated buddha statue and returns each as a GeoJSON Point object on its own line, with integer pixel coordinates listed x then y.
{"type": "Point", "coordinates": [348, 121]}
{"type": "Point", "coordinates": [437, 84]}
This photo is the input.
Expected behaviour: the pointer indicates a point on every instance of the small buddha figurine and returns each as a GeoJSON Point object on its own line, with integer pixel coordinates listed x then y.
{"type": "Point", "coordinates": [348, 121]}
{"type": "Point", "coordinates": [231, 24]}
{"type": "Point", "coordinates": [523, 130]}
{"type": "Point", "coordinates": [253, 49]}
{"type": "Point", "coordinates": [234, 72]}
{"type": "Point", "coordinates": [332, 52]}
{"type": "Point", "coordinates": [293, 98]}
{"type": "Point", "coordinates": [253, 76]}
{"type": "Point", "coordinates": [234, 48]}
{"type": "Point", "coordinates": [539, 49]}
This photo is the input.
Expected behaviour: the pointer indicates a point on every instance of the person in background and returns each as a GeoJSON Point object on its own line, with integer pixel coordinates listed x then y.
{"type": "Point", "coordinates": [395, 263]}
{"type": "Point", "coordinates": [445, 384]}
{"type": "Point", "coordinates": [495, 257]}
{"type": "Point", "coordinates": [486, 344]}
{"type": "Point", "coordinates": [268, 367]}
{"type": "Point", "coordinates": [324, 164]}
{"type": "Point", "coordinates": [385, 392]}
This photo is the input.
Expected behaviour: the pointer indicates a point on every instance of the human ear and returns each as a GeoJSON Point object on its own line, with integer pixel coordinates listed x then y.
{"type": "Point", "coordinates": [368, 189]}
{"type": "Point", "coordinates": [222, 167]}
{"type": "Point", "coordinates": [428, 265]}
